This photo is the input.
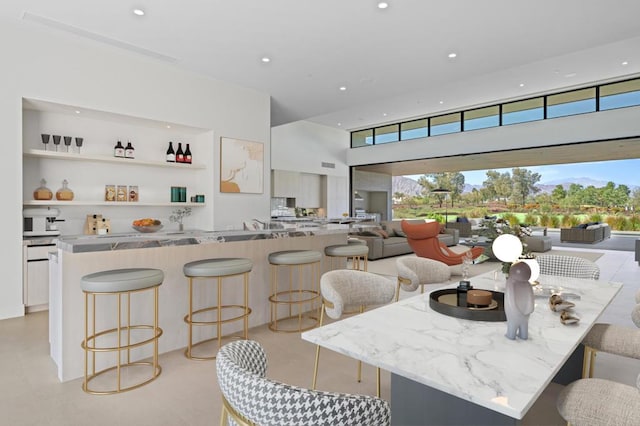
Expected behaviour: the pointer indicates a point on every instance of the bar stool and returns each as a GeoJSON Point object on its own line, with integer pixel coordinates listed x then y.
{"type": "Point", "coordinates": [219, 269]}
{"type": "Point", "coordinates": [118, 283]}
{"type": "Point", "coordinates": [292, 297]}
{"type": "Point", "coordinates": [356, 252]}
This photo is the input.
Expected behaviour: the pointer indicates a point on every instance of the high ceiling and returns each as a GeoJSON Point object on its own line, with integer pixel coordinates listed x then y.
{"type": "Point", "coordinates": [393, 63]}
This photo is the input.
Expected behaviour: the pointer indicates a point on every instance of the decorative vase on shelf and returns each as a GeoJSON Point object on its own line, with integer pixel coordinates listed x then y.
{"type": "Point", "coordinates": [42, 192]}
{"type": "Point", "coordinates": [64, 193]}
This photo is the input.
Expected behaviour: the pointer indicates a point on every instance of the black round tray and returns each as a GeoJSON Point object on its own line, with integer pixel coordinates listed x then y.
{"type": "Point", "coordinates": [452, 310]}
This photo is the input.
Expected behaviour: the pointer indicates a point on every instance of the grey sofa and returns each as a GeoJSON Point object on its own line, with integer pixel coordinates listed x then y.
{"type": "Point", "coordinates": [396, 243]}
{"type": "Point", "coordinates": [590, 235]}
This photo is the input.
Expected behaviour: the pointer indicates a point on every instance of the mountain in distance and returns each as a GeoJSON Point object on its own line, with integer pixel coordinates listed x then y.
{"type": "Point", "coordinates": [405, 185]}
{"type": "Point", "coordinates": [584, 181]}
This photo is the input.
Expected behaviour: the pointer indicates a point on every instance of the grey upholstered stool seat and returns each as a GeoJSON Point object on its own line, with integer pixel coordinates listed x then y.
{"type": "Point", "coordinates": [119, 283]}
{"type": "Point", "coordinates": [303, 298]}
{"type": "Point", "coordinates": [217, 268]}
{"type": "Point", "coordinates": [353, 251]}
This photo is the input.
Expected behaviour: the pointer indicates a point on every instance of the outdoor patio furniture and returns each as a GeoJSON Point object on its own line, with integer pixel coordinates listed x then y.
{"type": "Point", "coordinates": [586, 234]}
{"type": "Point", "coordinates": [538, 243]}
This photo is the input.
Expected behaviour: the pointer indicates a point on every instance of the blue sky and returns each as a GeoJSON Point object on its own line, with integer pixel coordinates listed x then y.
{"type": "Point", "coordinates": [619, 171]}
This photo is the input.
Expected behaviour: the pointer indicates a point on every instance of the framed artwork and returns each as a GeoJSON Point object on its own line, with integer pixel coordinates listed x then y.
{"type": "Point", "coordinates": [241, 166]}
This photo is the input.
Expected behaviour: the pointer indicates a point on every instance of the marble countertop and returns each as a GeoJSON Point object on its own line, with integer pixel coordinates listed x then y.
{"type": "Point", "coordinates": [472, 360]}
{"type": "Point", "coordinates": [93, 243]}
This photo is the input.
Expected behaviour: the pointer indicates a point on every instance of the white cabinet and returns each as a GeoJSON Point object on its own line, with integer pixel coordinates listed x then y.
{"type": "Point", "coordinates": [36, 277]}
{"type": "Point", "coordinates": [285, 184]}
{"type": "Point", "coordinates": [306, 188]}
{"type": "Point", "coordinates": [310, 194]}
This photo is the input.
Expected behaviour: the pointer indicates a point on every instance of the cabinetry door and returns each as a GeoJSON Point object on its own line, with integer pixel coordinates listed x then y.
{"type": "Point", "coordinates": [310, 194]}
{"type": "Point", "coordinates": [285, 184]}
{"type": "Point", "coordinates": [37, 282]}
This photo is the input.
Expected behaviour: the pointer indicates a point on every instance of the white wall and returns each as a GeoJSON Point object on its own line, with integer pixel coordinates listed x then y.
{"type": "Point", "coordinates": [578, 128]}
{"type": "Point", "coordinates": [303, 146]}
{"type": "Point", "coordinates": [66, 69]}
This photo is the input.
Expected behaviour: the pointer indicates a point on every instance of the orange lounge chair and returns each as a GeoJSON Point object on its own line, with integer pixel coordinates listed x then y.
{"type": "Point", "coordinates": [423, 240]}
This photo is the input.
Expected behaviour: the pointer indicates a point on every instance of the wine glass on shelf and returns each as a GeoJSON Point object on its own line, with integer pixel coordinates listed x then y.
{"type": "Point", "coordinates": [67, 142]}
{"type": "Point", "coordinates": [56, 141]}
{"type": "Point", "coordinates": [45, 140]}
{"type": "Point", "coordinates": [79, 143]}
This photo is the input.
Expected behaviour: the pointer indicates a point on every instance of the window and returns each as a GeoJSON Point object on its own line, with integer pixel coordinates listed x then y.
{"type": "Point", "coordinates": [523, 111]}
{"type": "Point", "coordinates": [482, 118]}
{"type": "Point", "coordinates": [386, 134]}
{"type": "Point", "coordinates": [414, 129]}
{"type": "Point", "coordinates": [362, 138]}
{"type": "Point", "coordinates": [618, 95]}
{"type": "Point", "coordinates": [571, 103]}
{"type": "Point", "coordinates": [444, 124]}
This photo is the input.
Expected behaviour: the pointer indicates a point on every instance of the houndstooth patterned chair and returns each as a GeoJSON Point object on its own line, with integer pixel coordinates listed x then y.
{"type": "Point", "coordinates": [568, 266]}
{"type": "Point", "coordinates": [249, 398]}
{"type": "Point", "coordinates": [418, 271]}
{"type": "Point", "coordinates": [597, 402]}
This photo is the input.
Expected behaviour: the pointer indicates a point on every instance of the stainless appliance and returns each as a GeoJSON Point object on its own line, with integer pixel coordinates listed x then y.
{"type": "Point", "coordinates": [40, 222]}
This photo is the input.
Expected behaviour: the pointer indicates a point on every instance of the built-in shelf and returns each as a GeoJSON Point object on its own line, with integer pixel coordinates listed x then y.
{"type": "Point", "coordinates": [107, 203]}
{"type": "Point", "coordinates": [103, 159]}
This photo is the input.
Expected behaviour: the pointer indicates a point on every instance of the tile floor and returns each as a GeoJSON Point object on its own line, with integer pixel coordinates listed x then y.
{"type": "Point", "coordinates": [186, 392]}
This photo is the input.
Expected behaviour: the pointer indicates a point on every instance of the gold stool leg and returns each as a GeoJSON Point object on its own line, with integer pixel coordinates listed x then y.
{"type": "Point", "coordinates": [219, 313]}
{"type": "Point", "coordinates": [246, 305]}
{"type": "Point", "coordinates": [378, 382]}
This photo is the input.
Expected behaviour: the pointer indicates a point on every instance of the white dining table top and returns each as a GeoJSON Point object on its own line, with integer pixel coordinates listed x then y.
{"type": "Point", "coordinates": [472, 360]}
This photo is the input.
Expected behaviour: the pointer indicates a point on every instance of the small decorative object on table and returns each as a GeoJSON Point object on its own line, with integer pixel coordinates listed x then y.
{"type": "Point", "coordinates": [178, 215]}
{"type": "Point", "coordinates": [518, 299]}
{"type": "Point", "coordinates": [147, 225]}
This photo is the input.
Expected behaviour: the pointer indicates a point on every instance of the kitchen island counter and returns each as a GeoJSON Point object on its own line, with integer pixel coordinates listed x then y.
{"type": "Point", "coordinates": [80, 255]}
{"type": "Point", "coordinates": [125, 241]}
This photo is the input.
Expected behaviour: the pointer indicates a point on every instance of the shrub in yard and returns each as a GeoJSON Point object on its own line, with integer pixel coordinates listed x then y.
{"type": "Point", "coordinates": [595, 217]}
{"type": "Point", "coordinates": [511, 219]}
{"type": "Point", "coordinates": [478, 212]}
{"type": "Point", "coordinates": [619, 223]}
{"type": "Point", "coordinates": [531, 219]}
{"type": "Point", "coordinates": [634, 222]}
{"type": "Point", "coordinates": [555, 221]}
{"type": "Point", "coordinates": [544, 220]}
{"type": "Point", "coordinates": [546, 208]}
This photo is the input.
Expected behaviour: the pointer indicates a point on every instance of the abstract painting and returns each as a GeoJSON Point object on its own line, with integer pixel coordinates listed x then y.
{"type": "Point", "coordinates": [241, 166]}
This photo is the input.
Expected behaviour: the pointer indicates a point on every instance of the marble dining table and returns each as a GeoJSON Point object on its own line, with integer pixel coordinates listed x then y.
{"type": "Point", "coordinates": [447, 370]}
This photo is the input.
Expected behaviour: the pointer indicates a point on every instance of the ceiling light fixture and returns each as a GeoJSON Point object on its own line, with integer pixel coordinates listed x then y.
{"type": "Point", "coordinates": [168, 126]}
{"type": "Point", "coordinates": [384, 114]}
{"type": "Point", "coordinates": [138, 12]}
{"type": "Point", "coordinates": [266, 59]}
{"type": "Point", "coordinates": [521, 84]}
{"type": "Point", "coordinates": [452, 55]}
{"type": "Point", "coordinates": [441, 102]}
{"type": "Point", "coordinates": [343, 88]}
{"type": "Point", "coordinates": [339, 124]}
{"type": "Point", "coordinates": [571, 74]}
{"type": "Point", "coordinates": [625, 63]}
{"type": "Point", "coordinates": [77, 112]}
{"type": "Point", "coordinates": [383, 5]}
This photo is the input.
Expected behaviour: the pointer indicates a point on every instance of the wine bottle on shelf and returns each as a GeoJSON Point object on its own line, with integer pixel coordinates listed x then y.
{"type": "Point", "coordinates": [187, 155]}
{"type": "Point", "coordinates": [179, 154]}
{"type": "Point", "coordinates": [118, 150]}
{"type": "Point", "coordinates": [128, 151]}
{"type": "Point", "coordinates": [171, 154]}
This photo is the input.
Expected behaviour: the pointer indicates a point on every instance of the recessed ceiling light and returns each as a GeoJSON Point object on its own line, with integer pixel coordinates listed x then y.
{"type": "Point", "coordinates": [339, 124]}
{"type": "Point", "coordinates": [384, 114]}
{"type": "Point", "coordinates": [441, 102]}
{"type": "Point", "coordinates": [625, 63]}
{"type": "Point", "coordinates": [343, 88]}
{"type": "Point", "coordinates": [383, 5]}
{"type": "Point", "coordinates": [77, 112]}
{"type": "Point", "coordinates": [571, 74]}
{"type": "Point", "coordinates": [138, 12]}
{"type": "Point", "coordinates": [168, 126]}
{"type": "Point", "coordinates": [452, 55]}
{"type": "Point", "coordinates": [521, 84]}
{"type": "Point", "coordinates": [266, 59]}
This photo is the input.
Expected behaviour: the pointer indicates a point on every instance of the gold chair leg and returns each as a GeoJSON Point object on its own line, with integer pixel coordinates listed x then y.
{"type": "Point", "coordinates": [588, 362]}
{"type": "Point", "coordinates": [224, 417]}
{"type": "Point", "coordinates": [378, 381]}
{"type": "Point", "coordinates": [315, 367]}
{"type": "Point", "coordinates": [398, 291]}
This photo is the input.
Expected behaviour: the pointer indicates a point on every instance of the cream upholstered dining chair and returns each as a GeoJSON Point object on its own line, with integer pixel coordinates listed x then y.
{"type": "Point", "coordinates": [249, 398]}
{"type": "Point", "coordinates": [596, 402]}
{"type": "Point", "coordinates": [418, 271]}
{"type": "Point", "coordinates": [568, 266]}
{"type": "Point", "coordinates": [612, 339]}
{"type": "Point", "coordinates": [346, 291]}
